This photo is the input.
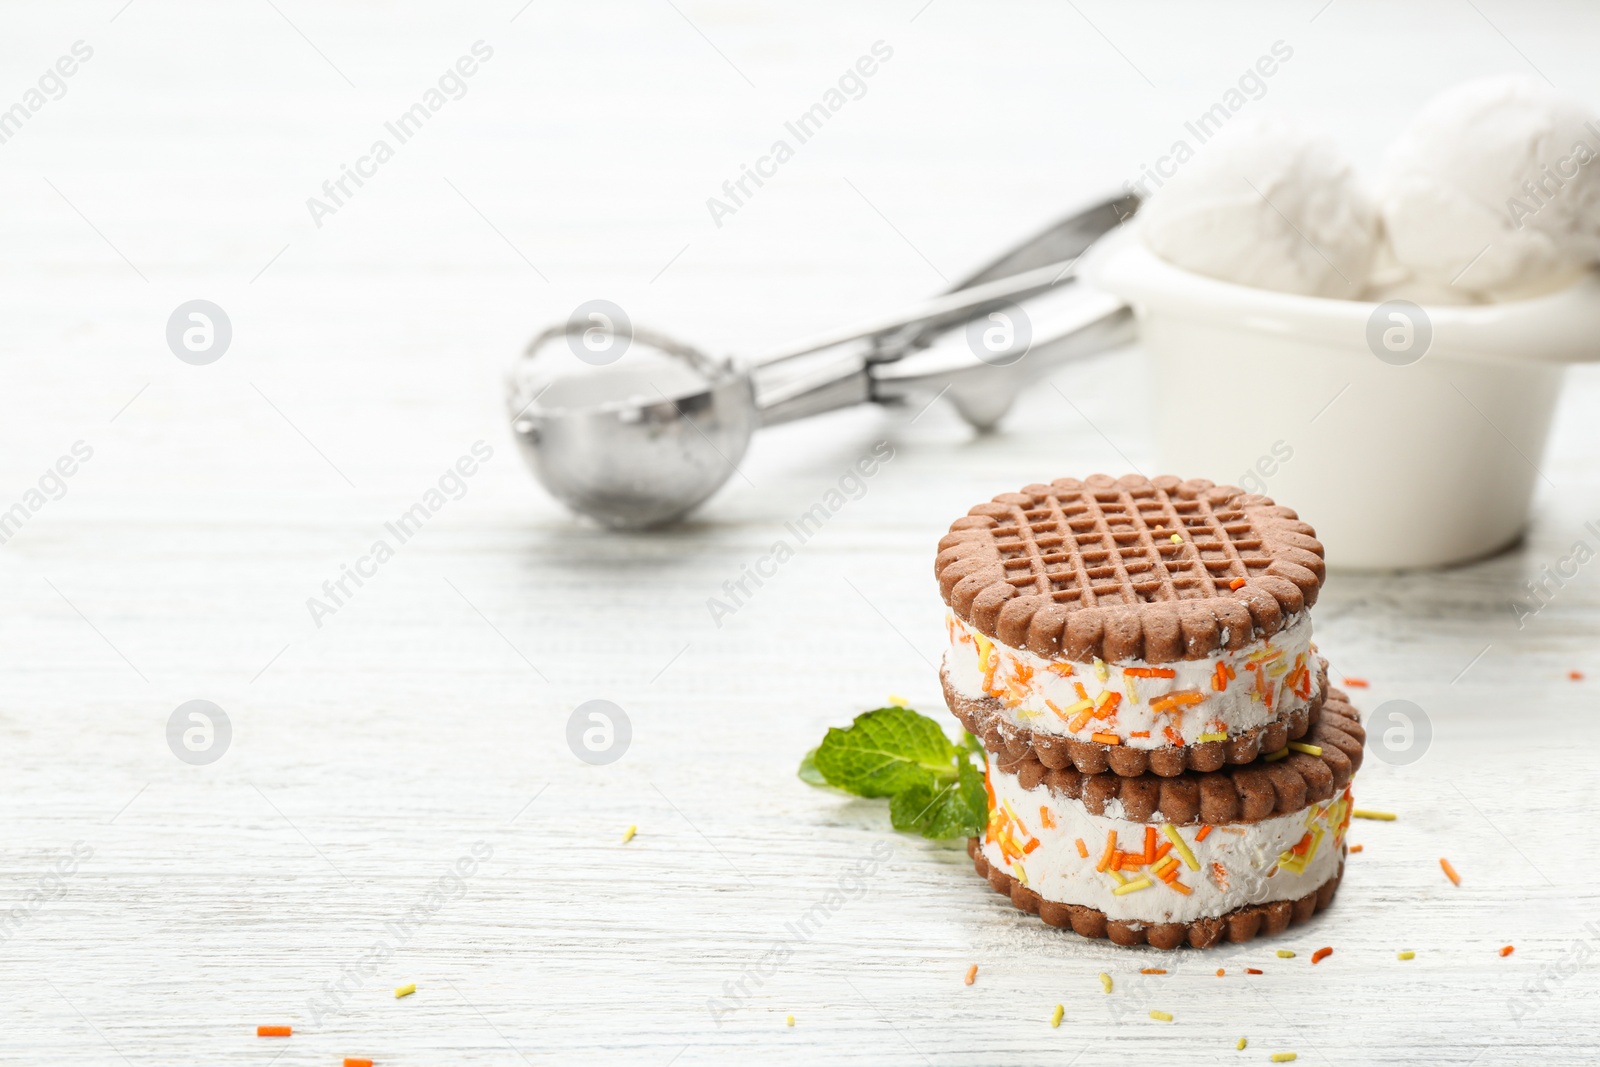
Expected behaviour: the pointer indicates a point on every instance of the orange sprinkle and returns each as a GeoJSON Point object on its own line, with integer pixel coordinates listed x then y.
{"type": "Point", "coordinates": [1253, 970]}
{"type": "Point", "coordinates": [1140, 733]}
{"type": "Point", "coordinates": [1219, 875]}
{"type": "Point", "coordinates": [1449, 871]}
{"type": "Point", "coordinates": [1045, 818]}
{"type": "Point", "coordinates": [1083, 694]}
{"type": "Point", "coordinates": [1106, 739]}
{"type": "Point", "coordinates": [1178, 699]}
{"type": "Point", "coordinates": [1576, 676]}
{"type": "Point", "coordinates": [1083, 849]}
{"type": "Point", "coordinates": [274, 1031]}
{"type": "Point", "coordinates": [1166, 846]}
{"type": "Point", "coordinates": [348, 1062]}
{"type": "Point", "coordinates": [1237, 583]}
{"type": "Point", "coordinates": [1357, 848]}
{"type": "Point", "coordinates": [1063, 669]}
{"type": "Point", "coordinates": [1180, 887]}
{"type": "Point", "coordinates": [1172, 735]}
{"type": "Point", "coordinates": [1508, 950]}
{"type": "Point", "coordinates": [1033, 843]}
{"type": "Point", "coordinates": [1205, 832]}
{"type": "Point", "coordinates": [972, 974]}
{"type": "Point", "coordinates": [1152, 970]}
{"type": "Point", "coordinates": [1221, 972]}
{"type": "Point", "coordinates": [1149, 844]}
{"type": "Point", "coordinates": [1106, 706]}
{"type": "Point", "coordinates": [1321, 954]}
{"type": "Point", "coordinates": [1357, 683]}
{"type": "Point", "coordinates": [1110, 852]}
{"type": "Point", "coordinates": [1301, 847]}
{"type": "Point", "coordinates": [1150, 672]}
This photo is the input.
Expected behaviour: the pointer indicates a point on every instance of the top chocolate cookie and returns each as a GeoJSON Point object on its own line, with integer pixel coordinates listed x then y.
{"type": "Point", "coordinates": [1129, 568]}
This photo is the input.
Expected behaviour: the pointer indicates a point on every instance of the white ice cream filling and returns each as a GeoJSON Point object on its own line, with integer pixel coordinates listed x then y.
{"type": "Point", "coordinates": [1034, 835]}
{"type": "Point", "coordinates": [1141, 705]}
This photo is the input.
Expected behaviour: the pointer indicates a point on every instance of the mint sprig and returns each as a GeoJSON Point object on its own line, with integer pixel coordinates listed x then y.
{"type": "Point", "coordinates": [933, 786]}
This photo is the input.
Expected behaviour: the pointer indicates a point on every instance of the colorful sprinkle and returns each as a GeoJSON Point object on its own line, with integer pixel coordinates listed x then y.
{"type": "Point", "coordinates": [1508, 950]}
{"type": "Point", "coordinates": [1576, 676]}
{"type": "Point", "coordinates": [1253, 970]}
{"type": "Point", "coordinates": [789, 1021]}
{"type": "Point", "coordinates": [1131, 887]}
{"type": "Point", "coordinates": [1205, 832]}
{"type": "Point", "coordinates": [405, 990]}
{"type": "Point", "coordinates": [1237, 584]}
{"type": "Point", "coordinates": [1213, 737]}
{"type": "Point", "coordinates": [1368, 813]}
{"type": "Point", "coordinates": [1180, 847]}
{"type": "Point", "coordinates": [1310, 750]}
{"type": "Point", "coordinates": [1271, 757]}
{"type": "Point", "coordinates": [1149, 672]}
{"type": "Point", "coordinates": [1105, 982]}
{"type": "Point", "coordinates": [1106, 739]}
{"type": "Point", "coordinates": [1055, 1016]}
{"type": "Point", "coordinates": [972, 974]}
{"type": "Point", "coordinates": [1357, 848]}
{"type": "Point", "coordinates": [1221, 972]}
{"type": "Point", "coordinates": [1406, 955]}
{"type": "Point", "coordinates": [349, 1062]}
{"type": "Point", "coordinates": [1161, 1016]}
{"type": "Point", "coordinates": [1449, 871]}
{"type": "Point", "coordinates": [1176, 539]}
{"type": "Point", "coordinates": [627, 835]}
{"type": "Point", "coordinates": [1083, 849]}
{"type": "Point", "coordinates": [1242, 1043]}
{"type": "Point", "coordinates": [1284, 1057]}
{"type": "Point", "coordinates": [1321, 954]}
{"type": "Point", "coordinates": [1152, 970]}
{"type": "Point", "coordinates": [1285, 954]}
{"type": "Point", "coordinates": [1357, 683]}
{"type": "Point", "coordinates": [274, 1031]}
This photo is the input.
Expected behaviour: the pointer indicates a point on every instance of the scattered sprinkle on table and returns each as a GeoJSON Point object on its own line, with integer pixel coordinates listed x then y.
{"type": "Point", "coordinates": [1367, 813]}
{"type": "Point", "coordinates": [789, 1021]}
{"type": "Point", "coordinates": [349, 1062]}
{"type": "Point", "coordinates": [1105, 982]}
{"type": "Point", "coordinates": [1152, 970]}
{"type": "Point", "coordinates": [1221, 972]}
{"type": "Point", "coordinates": [1284, 1057]}
{"type": "Point", "coordinates": [1406, 955]}
{"type": "Point", "coordinates": [274, 1031]}
{"type": "Point", "coordinates": [1161, 1016]}
{"type": "Point", "coordinates": [1285, 954]}
{"type": "Point", "coordinates": [405, 990]}
{"type": "Point", "coordinates": [627, 835]}
{"type": "Point", "coordinates": [1576, 676]}
{"type": "Point", "coordinates": [1321, 954]}
{"type": "Point", "coordinates": [972, 974]}
{"type": "Point", "coordinates": [1508, 950]}
{"type": "Point", "coordinates": [1055, 1016]}
{"type": "Point", "coordinates": [1254, 970]}
{"type": "Point", "coordinates": [897, 701]}
{"type": "Point", "coordinates": [1449, 871]}
{"type": "Point", "coordinates": [1357, 683]}
{"type": "Point", "coordinates": [1357, 848]}
{"type": "Point", "coordinates": [1242, 1043]}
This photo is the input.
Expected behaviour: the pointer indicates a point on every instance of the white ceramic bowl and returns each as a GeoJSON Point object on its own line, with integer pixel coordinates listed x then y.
{"type": "Point", "coordinates": [1424, 464]}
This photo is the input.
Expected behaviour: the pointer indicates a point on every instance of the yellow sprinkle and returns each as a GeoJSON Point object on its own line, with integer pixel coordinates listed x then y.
{"type": "Point", "coordinates": [1177, 539]}
{"type": "Point", "coordinates": [1242, 1043]}
{"type": "Point", "coordinates": [1100, 670]}
{"type": "Point", "coordinates": [1131, 887]}
{"type": "Point", "coordinates": [1366, 813]}
{"type": "Point", "coordinates": [1282, 752]}
{"type": "Point", "coordinates": [1055, 1016]}
{"type": "Point", "coordinates": [1284, 1057]}
{"type": "Point", "coordinates": [406, 990]}
{"type": "Point", "coordinates": [1214, 737]}
{"type": "Point", "coordinates": [895, 701]}
{"type": "Point", "coordinates": [627, 834]}
{"type": "Point", "coordinates": [1285, 954]}
{"type": "Point", "coordinates": [789, 1021]}
{"type": "Point", "coordinates": [1406, 955]}
{"type": "Point", "coordinates": [1180, 847]}
{"type": "Point", "coordinates": [1310, 750]}
{"type": "Point", "coordinates": [1105, 982]}
{"type": "Point", "coordinates": [1161, 1016]}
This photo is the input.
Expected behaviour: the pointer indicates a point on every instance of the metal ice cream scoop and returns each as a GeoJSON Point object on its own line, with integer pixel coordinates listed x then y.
{"type": "Point", "coordinates": [641, 445]}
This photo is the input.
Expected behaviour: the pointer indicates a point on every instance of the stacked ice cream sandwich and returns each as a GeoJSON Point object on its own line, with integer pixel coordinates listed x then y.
{"type": "Point", "coordinates": [1166, 762]}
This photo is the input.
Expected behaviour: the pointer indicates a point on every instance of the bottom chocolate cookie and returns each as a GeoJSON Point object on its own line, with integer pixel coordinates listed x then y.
{"type": "Point", "coordinates": [1241, 924]}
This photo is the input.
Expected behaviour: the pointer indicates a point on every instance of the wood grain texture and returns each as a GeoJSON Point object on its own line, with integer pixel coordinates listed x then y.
{"type": "Point", "coordinates": [428, 714]}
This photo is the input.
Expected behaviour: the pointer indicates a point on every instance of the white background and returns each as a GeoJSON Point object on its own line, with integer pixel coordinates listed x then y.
{"type": "Point", "coordinates": [429, 713]}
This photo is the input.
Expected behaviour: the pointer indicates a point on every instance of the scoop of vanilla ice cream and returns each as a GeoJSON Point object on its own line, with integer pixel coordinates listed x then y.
{"type": "Point", "coordinates": [1494, 187]}
{"type": "Point", "coordinates": [1270, 205]}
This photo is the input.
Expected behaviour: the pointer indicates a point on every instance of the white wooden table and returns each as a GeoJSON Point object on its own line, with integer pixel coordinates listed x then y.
{"type": "Point", "coordinates": [427, 716]}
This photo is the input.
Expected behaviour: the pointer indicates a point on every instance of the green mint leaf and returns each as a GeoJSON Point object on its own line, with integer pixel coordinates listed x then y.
{"type": "Point", "coordinates": [973, 745]}
{"type": "Point", "coordinates": [943, 810]}
{"type": "Point", "coordinates": [886, 752]}
{"type": "Point", "coordinates": [808, 770]}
